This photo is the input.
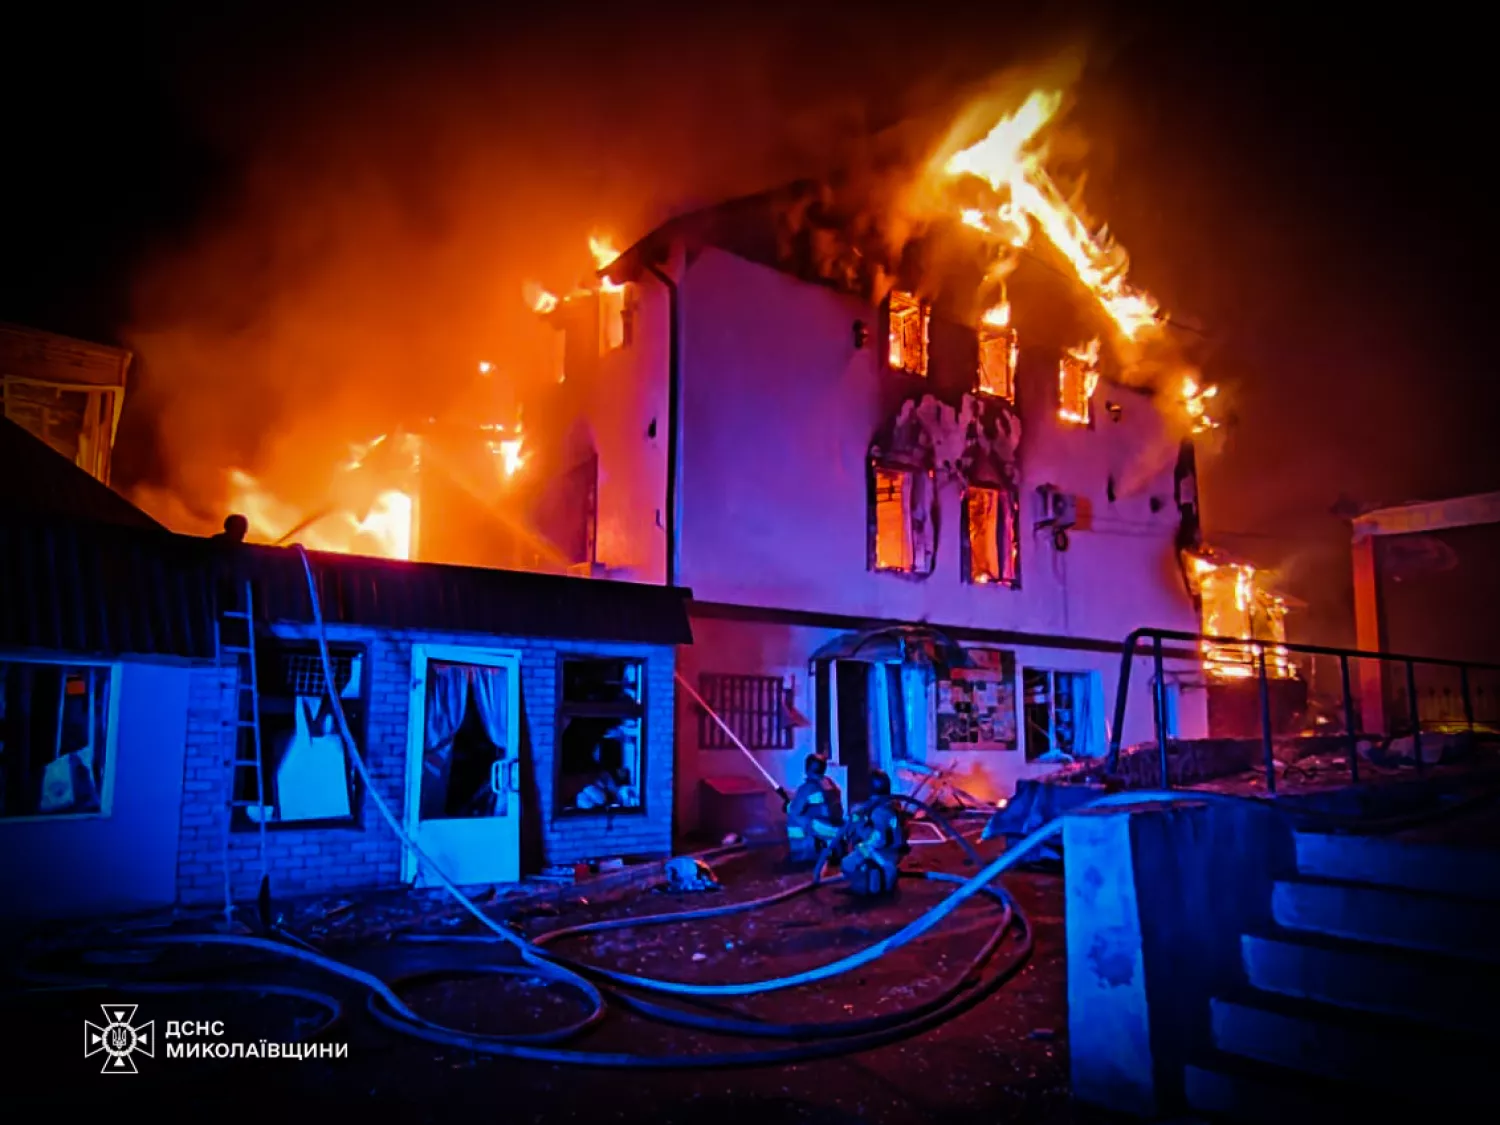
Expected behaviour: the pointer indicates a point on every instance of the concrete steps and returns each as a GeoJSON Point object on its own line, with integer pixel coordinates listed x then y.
{"type": "Point", "coordinates": [1377, 987]}
{"type": "Point", "coordinates": [1385, 916]}
{"type": "Point", "coordinates": [1468, 873]}
{"type": "Point", "coordinates": [1371, 1055]}
{"type": "Point", "coordinates": [1428, 990]}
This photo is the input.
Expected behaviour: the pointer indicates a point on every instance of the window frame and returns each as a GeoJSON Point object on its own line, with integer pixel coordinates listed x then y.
{"type": "Point", "coordinates": [990, 333]}
{"type": "Point", "coordinates": [1083, 678]}
{"type": "Point", "coordinates": [111, 738]}
{"type": "Point", "coordinates": [712, 738]}
{"type": "Point", "coordinates": [924, 314]}
{"type": "Point", "coordinates": [562, 710]}
{"type": "Point", "coordinates": [874, 468]}
{"type": "Point", "coordinates": [1089, 414]}
{"type": "Point", "coordinates": [283, 645]}
{"type": "Point", "coordinates": [1011, 498]}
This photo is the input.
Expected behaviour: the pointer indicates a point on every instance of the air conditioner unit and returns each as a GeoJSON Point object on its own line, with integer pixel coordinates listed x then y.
{"type": "Point", "coordinates": [1059, 508]}
{"type": "Point", "coordinates": [1064, 512]}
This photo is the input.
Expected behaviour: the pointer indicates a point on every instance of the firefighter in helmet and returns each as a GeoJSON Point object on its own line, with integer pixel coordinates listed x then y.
{"type": "Point", "coordinates": [815, 813]}
{"type": "Point", "coordinates": [876, 839]}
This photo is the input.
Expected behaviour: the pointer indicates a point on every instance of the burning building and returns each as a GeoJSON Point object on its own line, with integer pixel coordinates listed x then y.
{"type": "Point", "coordinates": [919, 487]}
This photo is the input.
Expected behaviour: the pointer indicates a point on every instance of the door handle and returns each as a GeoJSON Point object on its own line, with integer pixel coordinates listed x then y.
{"type": "Point", "coordinates": [497, 776]}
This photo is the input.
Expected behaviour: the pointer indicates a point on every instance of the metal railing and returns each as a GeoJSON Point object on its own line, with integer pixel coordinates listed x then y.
{"type": "Point", "coordinates": [1258, 652]}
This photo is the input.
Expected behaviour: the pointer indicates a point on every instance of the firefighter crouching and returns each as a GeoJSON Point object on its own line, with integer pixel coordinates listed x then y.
{"type": "Point", "coordinates": [876, 840]}
{"type": "Point", "coordinates": [815, 814]}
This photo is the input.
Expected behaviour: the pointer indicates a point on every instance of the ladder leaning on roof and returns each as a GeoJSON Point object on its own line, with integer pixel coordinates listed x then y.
{"type": "Point", "coordinates": [238, 651]}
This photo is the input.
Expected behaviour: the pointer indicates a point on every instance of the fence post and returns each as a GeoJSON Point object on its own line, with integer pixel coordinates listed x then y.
{"type": "Point", "coordinates": [1350, 733]}
{"type": "Point", "coordinates": [1159, 705]}
{"type": "Point", "coordinates": [1267, 743]}
{"type": "Point", "coordinates": [1416, 714]}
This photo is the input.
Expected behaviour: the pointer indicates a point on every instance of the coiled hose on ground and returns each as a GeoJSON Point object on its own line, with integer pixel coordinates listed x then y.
{"type": "Point", "coordinates": [537, 961]}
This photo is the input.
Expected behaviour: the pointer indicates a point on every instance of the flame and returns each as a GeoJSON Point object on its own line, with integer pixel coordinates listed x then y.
{"type": "Point", "coordinates": [510, 451]}
{"type": "Point", "coordinates": [1195, 401]}
{"type": "Point", "coordinates": [603, 250]}
{"type": "Point", "coordinates": [540, 300]}
{"type": "Point", "coordinates": [1236, 605]}
{"type": "Point", "coordinates": [998, 316]}
{"type": "Point", "coordinates": [385, 531]}
{"type": "Point", "coordinates": [1077, 380]}
{"type": "Point", "coordinates": [1010, 160]}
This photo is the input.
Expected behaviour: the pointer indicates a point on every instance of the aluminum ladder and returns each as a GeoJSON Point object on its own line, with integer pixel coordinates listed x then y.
{"type": "Point", "coordinates": [239, 652]}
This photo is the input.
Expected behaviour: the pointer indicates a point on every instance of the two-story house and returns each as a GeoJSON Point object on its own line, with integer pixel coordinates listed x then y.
{"type": "Point", "coordinates": [916, 528]}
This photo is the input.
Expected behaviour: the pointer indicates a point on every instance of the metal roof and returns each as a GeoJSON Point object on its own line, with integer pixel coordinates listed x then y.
{"type": "Point", "coordinates": [108, 590]}
{"type": "Point", "coordinates": [36, 480]}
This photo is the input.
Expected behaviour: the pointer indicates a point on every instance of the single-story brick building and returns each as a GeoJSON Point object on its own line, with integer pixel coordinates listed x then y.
{"type": "Point", "coordinates": [512, 721]}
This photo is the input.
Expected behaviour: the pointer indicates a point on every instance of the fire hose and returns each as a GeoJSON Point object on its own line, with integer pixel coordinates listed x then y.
{"type": "Point", "coordinates": [537, 961]}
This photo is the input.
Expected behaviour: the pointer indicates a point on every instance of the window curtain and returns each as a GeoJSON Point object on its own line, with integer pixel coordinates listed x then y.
{"type": "Point", "coordinates": [1088, 722]}
{"type": "Point", "coordinates": [312, 780]}
{"type": "Point", "coordinates": [492, 701]}
{"type": "Point", "coordinates": [447, 702]}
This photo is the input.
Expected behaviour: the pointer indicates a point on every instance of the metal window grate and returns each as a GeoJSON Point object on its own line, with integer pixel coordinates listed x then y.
{"type": "Point", "coordinates": [754, 707]}
{"type": "Point", "coordinates": [301, 674]}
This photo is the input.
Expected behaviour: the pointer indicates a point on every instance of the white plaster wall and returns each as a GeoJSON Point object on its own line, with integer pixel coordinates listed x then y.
{"type": "Point", "coordinates": [778, 411]}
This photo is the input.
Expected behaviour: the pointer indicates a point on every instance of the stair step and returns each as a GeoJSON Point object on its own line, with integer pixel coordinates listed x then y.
{"type": "Point", "coordinates": [1430, 990]}
{"type": "Point", "coordinates": [1382, 916]}
{"type": "Point", "coordinates": [1235, 1089]}
{"type": "Point", "coordinates": [1460, 872]}
{"type": "Point", "coordinates": [1358, 1050]}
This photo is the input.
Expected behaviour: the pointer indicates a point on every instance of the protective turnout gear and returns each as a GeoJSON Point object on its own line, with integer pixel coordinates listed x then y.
{"type": "Point", "coordinates": [876, 838]}
{"type": "Point", "coordinates": [815, 814]}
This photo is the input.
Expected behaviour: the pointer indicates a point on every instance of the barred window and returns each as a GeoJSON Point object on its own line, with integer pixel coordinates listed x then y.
{"type": "Point", "coordinates": [757, 708]}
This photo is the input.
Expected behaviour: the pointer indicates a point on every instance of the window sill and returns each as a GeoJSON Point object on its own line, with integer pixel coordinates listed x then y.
{"type": "Point", "coordinates": [585, 814]}
{"type": "Point", "coordinates": [243, 828]}
{"type": "Point", "coordinates": [49, 818]}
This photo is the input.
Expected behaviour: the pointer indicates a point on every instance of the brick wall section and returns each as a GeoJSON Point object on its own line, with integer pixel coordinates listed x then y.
{"type": "Point", "coordinates": [333, 860]}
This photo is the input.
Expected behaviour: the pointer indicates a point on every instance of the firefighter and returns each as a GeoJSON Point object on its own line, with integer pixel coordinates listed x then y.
{"type": "Point", "coordinates": [876, 838]}
{"type": "Point", "coordinates": [815, 813]}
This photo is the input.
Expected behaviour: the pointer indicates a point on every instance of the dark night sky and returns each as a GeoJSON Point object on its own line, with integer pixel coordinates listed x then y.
{"type": "Point", "coordinates": [1308, 194]}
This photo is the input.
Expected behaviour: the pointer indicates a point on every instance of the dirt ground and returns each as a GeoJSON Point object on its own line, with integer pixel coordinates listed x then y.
{"type": "Point", "coordinates": [1004, 1060]}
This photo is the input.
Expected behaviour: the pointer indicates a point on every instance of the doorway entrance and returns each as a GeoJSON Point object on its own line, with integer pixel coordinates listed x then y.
{"type": "Point", "coordinates": [463, 800]}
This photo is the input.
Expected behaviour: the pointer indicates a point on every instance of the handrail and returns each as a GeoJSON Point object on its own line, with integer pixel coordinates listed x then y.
{"type": "Point", "coordinates": [1258, 650]}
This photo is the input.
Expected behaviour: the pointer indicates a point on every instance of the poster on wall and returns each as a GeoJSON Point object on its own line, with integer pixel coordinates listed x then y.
{"type": "Point", "coordinates": [976, 707]}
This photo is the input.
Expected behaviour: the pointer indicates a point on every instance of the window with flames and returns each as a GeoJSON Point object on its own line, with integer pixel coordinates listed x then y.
{"type": "Point", "coordinates": [757, 709]}
{"type": "Point", "coordinates": [997, 362]}
{"type": "Point", "coordinates": [900, 520]}
{"type": "Point", "coordinates": [1077, 379]}
{"type": "Point", "coordinates": [908, 335]}
{"type": "Point", "coordinates": [991, 538]}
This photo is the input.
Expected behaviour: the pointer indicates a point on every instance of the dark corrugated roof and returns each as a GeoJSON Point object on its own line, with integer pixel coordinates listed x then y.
{"type": "Point", "coordinates": [106, 590]}
{"type": "Point", "coordinates": [387, 593]}
{"type": "Point", "coordinates": [36, 480]}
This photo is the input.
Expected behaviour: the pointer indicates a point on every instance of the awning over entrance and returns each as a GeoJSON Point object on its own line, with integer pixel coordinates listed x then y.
{"type": "Point", "coordinates": [906, 644]}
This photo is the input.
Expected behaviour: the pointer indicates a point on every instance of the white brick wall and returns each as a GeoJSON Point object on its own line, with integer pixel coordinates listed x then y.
{"type": "Point", "coordinates": [368, 856]}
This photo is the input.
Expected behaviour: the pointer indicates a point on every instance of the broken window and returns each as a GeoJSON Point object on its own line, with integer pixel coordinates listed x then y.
{"type": "Point", "coordinates": [757, 708]}
{"type": "Point", "coordinates": [908, 334]}
{"type": "Point", "coordinates": [992, 541]}
{"type": "Point", "coordinates": [307, 778]}
{"type": "Point", "coordinates": [1077, 378]}
{"type": "Point", "coordinates": [997, 361]}
{"type": "Point", "coordinates": [900, 520]}
{"type": "Point", "coordinates": [54, 739]}
{"type": "Point", "coordinates": [1057, 707]}
{"type": "Point", "coordinates": [600, 735]}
